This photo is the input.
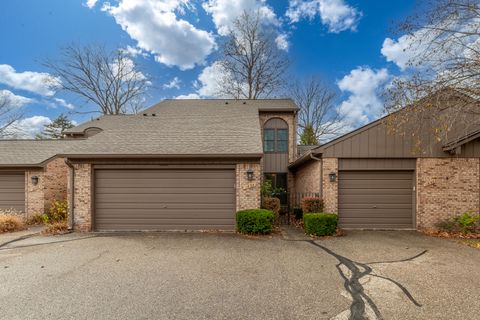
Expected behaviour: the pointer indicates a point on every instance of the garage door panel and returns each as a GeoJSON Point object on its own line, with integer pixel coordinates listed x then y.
{"type": "Point", "coordinates": [165, 198]}
{"type": "Point", "coordinates": [165, 183]}
{"type": "Point", "coordinates": [165, 174]}
{"type": "Point", "coordinates": [143, 190]}
{"type": "Point", "coordinates": [12, 190]}
{"type": "Point", "coordinates": [375, 199]}
{"type": "Point", "coordinates": [156, 200]}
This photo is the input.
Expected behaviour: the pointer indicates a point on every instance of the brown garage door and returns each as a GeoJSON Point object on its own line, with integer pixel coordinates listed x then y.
{"type": "Point", "coordinates": [375, 199]}
{"type": "Point", "coordinates": [164, 199]}
{"type": "Point", "coordinates": [12, 190]}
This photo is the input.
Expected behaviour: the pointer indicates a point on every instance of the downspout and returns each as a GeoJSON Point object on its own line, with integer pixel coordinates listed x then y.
{"type": "Point", "coordinates": [72, 194]}
{"type": "Point", "coordinates": [321, 173]}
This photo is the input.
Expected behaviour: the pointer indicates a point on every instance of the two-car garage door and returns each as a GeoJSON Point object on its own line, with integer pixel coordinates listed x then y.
{"type": "Point", "coordinates": [161, 199]}
{"type": "Point", "coordinates": [376, 199]}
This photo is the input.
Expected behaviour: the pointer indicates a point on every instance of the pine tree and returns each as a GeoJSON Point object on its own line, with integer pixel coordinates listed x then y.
{"type": "Point", "coordinates": [308, 136]}
{"type": "Point", "coordinates": [56, 129]}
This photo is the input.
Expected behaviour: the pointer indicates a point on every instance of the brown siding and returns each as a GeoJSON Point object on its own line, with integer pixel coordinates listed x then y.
{"type": "Point", "coordinates": [276, 162]}
{"type": "Point", "coordinates": [12, 191]}
{"type": "Point", "coordinates": [185, 199]}
{"type": "Point", "coordinates": [375, 141]}
{"type": "Point", "coordinates": [376, 164]}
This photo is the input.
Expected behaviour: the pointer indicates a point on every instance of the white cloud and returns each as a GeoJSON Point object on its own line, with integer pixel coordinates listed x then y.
{"type": "Point", "coordinates": [135, 52]}
{"type": "Point", "coordinates": [37, 82]}
{"type": "Point", "coordinates": [174, 83]}
{"type": "Point", "coordinates": [64, 103]}
{"type": "Point", "coordinates": [188, 96]}
{"type": "Point", "coordinates": [363, 84]}
{"type": "Point", "coordinates": [282, 42]}
{"type": "Point", "coordinates": [337, 15]}
{"type": "Point", "coordinates": [28, 127]}
{"type": "Point", "coordinates": [91, 3]}
{"type": "Point", "coordinates": [207, 84]}
{"type": "Point", "coordinates": [14, 101]}
{"type": "Point", "coordinates": [224, 12]}
{"type": "Point", "coordinates": [156, 28]}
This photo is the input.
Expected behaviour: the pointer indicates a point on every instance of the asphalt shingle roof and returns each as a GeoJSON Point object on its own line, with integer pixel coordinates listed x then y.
{"type": "Point", "coordinates": [31, 152]}
{"type": "Point", "coordinates": [179, 129]}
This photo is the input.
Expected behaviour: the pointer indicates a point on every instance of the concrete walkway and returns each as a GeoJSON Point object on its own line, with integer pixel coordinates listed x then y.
{"type": "Point", "coordinates": [11, 237]}
{"type": "Point", "coordinates": [292, 233]}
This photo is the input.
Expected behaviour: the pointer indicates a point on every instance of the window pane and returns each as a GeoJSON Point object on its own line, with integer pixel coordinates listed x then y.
{"type": "Point", "coordinates": [269, 146]}
{"type": "Point", "coordinates": [282, 134]}
{"type": "Point", "coordinates": [281, 181]}
{"type": "Point", "coordinates": [269, 134]}
{"type": "Point", "coordinates": [282, 146]}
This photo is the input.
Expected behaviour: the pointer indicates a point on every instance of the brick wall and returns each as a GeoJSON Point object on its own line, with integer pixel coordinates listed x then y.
{"type": "Point", "coordinates": [248, 192]}
{"type": "Point", "coordinates": [55, 186]}
{"type": "Point", "coordinates": [34, 195]}
{"type": "Point", "coordinates": [445, 188]}
{"type": "Point", "coordinates": [307, 177]}
{"type": "Point", "coordinates": [330, 189]}
{"type": "Point", "coordinates": [82, 197]}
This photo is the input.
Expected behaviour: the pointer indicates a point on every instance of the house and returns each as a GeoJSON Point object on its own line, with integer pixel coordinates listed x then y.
{"type": "Point", "coordinates": [378, 179]}
{"type": "Point", "coordinates": [180, 165]}
{"type": "Point", "coordinates": [191, 164]}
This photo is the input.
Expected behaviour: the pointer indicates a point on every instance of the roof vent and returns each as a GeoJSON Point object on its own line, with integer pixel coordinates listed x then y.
{"type": "Point", "coordinates": [244, 102]}
{"type": "Point", "coordinates": [145, 114]}
{"type": "Point", "coordinates": [154, 114]}
{"type": "Point", "coordinates": [226, 102]}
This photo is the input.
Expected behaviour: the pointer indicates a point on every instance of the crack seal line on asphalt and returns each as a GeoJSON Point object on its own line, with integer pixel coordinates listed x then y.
{"type": "Point", "coordinates": [360, 299]}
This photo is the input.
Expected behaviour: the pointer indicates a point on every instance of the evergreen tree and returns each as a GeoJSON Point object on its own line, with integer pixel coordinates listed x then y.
{"type": "Point", "coordinates": [56, 129]}
{"type": "Point", "coordinates": [308, 136]}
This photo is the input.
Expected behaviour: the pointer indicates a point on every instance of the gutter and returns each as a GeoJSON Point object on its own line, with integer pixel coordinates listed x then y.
{"type": "Point", "coordinates": [72, 194]}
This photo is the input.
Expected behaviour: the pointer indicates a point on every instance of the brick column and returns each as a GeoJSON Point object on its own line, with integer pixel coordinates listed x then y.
{"type": "Point", "coordinates": [248, 192]}
{"type": "Point", "coordinates": [83, 197]}
{"type": "Point", "coordinates": [330, 189]}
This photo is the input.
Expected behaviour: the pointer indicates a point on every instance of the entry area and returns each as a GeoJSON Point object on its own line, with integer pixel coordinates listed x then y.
{"type": "Point", "coordinates": [164, 199]}
{"type": "Point", "coordinates": [376, 199]}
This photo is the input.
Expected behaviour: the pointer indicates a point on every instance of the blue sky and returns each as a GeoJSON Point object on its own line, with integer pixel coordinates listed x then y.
{"type": "Point", "coordinates": [350, 44]}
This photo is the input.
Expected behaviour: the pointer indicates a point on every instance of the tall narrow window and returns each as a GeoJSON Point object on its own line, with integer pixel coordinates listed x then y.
{"type": "Point", "coordinates": [275, 136]}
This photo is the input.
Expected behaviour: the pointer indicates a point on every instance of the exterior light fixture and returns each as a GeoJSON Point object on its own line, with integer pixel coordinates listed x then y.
{"type": "Point", "coordinates": [250, 174]}
{"type": "Point", "coordinates": [333, 176]}
{"type": "Point", "coordinates": [34, 180]}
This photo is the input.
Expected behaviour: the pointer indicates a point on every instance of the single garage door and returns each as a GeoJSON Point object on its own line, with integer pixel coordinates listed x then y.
{"type": "Point", "coordinates": [12, 190]}
{"type": "Point", "coordinates": [375, 199]}
{"type": "Point", "coordinates": [196, 199]}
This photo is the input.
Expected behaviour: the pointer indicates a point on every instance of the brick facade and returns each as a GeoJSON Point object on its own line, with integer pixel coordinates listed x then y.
{"type": "Point", "coordinates": [446, 188]}
{"type": "Point", "coordinates": [52, 185]}
{"type": "Point", "coordinates": [307, 178]}
{"type": "Point", "coordinates": [55, 186]}
{"type": "Point", "coordinates": [34, 195]}
{"type": "Point", "coordinates": [82, 209]}
{"type": "Point", "coordinates": [248, 192]}
{"type": "Point", "coordinates": [330, 189]}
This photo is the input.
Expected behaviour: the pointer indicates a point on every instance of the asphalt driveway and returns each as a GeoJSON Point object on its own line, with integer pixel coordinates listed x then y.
{"type": "Point", "coordinates": [376, 275]}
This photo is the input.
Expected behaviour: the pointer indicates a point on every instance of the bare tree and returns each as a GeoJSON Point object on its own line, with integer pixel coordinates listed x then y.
{"type": "Point", "coordinates": [253, 65]}
{"type": "Point", "coordinates": [318, 112]}
{"type": "Point", "coordinates": [9, 114]}
{"type": "Point", "coordinates": [108, 79]}
{"type": "Point", "coordinates": [443, 88]}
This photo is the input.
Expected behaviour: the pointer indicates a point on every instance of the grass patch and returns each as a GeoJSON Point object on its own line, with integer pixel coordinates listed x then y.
{"type": "Point", "coordinates": [474, 243]}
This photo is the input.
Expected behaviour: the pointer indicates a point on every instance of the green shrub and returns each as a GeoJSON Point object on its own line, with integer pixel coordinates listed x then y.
{"type": "Point", "coordinates": [298, 213]}
{"type": "Point", "coordinates": [255, 221]}
{"type": "Point", "coordinates": [272, 204]}
{"type": "Point", "coordinates": [320, 224]}
{"type": "Point", "coordinates": [468, 222]}
{"type": "Point", "coordinates": [58, 212]}
{"type": "Point", "coordinates": [312, 204]}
